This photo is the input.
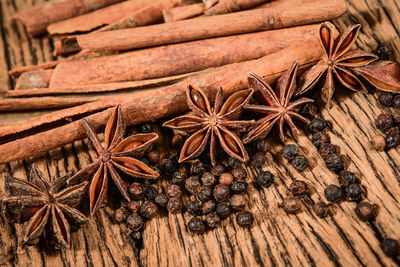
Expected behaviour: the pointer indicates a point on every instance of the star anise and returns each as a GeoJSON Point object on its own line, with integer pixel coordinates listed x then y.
{"type": "Point", "coordinates": [117, 154]}
{"type": "Point", "coordinates": [338, 61]}
{"type": "Point", "coordinates": [47, 207]}
{"type": "Point", "coordinates": [212, 123]}
{"type": "Point", "coordinates": [276, 105]}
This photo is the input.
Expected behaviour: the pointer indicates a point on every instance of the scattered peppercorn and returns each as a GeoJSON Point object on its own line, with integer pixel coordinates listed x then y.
{"type": "Point", "coordinates": [169, 166]}
{"type": "Point", "coordinates": [385, 99]}
{"type": "Point", "coordinates": [178, 178]}
{"type": "Point", "coordinates": [290, 151]}
{"type": "Point", "coordinates": [208, 179]}
{"type": "Point", "coordinates": [334, 163]}
{"type": "Point", "coordinates": [321, 209]}
{"type": "Point", "coordinates": [396, 101]}
{"type": "Point", "coordinates": [262, 145]}
{"type": "Point", "coordinates": [208, 206]}
{"type": "Point", "coordinates": [151, 192]}
{"type": "Point", "coordinates": [218, 169]}
{"type": "Point", "coordinates": [384, 121]}
{"type": "Point", "coordinates": [326, 149]}
{"type": "Point", "coordinates": [239, 187]}
{"type": "Point", "coordinates": [177, 140]}
{"type": "Point", "coordinates": [378, 142]}
{"type": "Point", "coordinates": [120, 214]}
{"type": "Point", "coordinates": [238, 202]}
{"type": "Point", "coordinates": [365, 211]}
{"type": "Point", "coordinates": [291, 205]}
{"type": "Point", "coordinates": [258, 159]}
{"type": "Point", "coordinates": [299, 163]}
{"type": "Point", "coordinates": [392, 138]}
{"type": "Point", "coordinates": [194, 208]}
{"type": "Point", "coordinates": [317, 125]}
{"type": "Point", "coordinates": [347, 177]}
{"type": "Point", "coordinates": [153, 156]}
{"type": "Point", "coordinates": [135, 222]}
{"type": "Point", "coordinates": [197, 168]}
{"type": "Point", "coordinates": [299, 188]}
{"type": "Point", "coordinates": [192, 184]}
{"type": "Point", "coordinates": [319, 138]}
{"type": "Point", "coordinates": [354, 192]}
{"type": "Point", "coordinates": [390, 247]}
{"type": "Point", "coordinates": [239, 173]}
{"type": "Point", "coordinates": [233, 162]}
{"type": "Point", "coordinates": [137, 190]}
{"type": "Point", "coordinates": [221, 192]}
{"type": "Point", "coordinates": [204, 193]}
{"type": "Point", "coordinates": [333, 193]}
{"type": "Point", "coordinates": [223, 209]}
{"type": "Point", "coordinates": [264, 178]}
{"type": "Point", "coordinates": [212, 219]}
{"type": "Point", "coordinates": [149, 209]}
{"type": "Point", "coordinates": [173, 190]}
{"type": "Point", "coordinates": [244, 218]}
{"type": "Point", "coordinates": [196, 225]}
{"type": "Point", "coordinates": [161, 200]}
{"type": "Point", "coordinates": [134, 205]}
{"type": "Point", "coordinates": [226, 178]}
{"type": "Point", "coordinates": [175, 205]}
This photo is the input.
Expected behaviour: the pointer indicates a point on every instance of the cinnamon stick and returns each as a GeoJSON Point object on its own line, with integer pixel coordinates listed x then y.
{"type": "Point", "coordinates": [34, 79]}
{"type": "Point", "coordinates": [275, 16]}
{"type": "Point", "coordinates": [37, 18]}
{"type": "Point", "coordinates": [218, 7]}
{"type": "Point", "coordinates": [183, 12]}
{"type": "Point", "coordinates": [178, 58]}
{"type": "Point", "coordinates": [40, 103]}
{"type": "Point", "coordinates": [150, 105]}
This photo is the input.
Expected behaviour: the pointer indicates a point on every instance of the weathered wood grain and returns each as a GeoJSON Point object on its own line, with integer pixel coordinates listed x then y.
{"type": "Point", "coordinates": [275, 238]}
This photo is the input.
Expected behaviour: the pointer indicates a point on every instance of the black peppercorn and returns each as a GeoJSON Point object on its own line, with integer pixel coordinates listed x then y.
{"type": "Point", "coordinates": [208, 206]}
{"type": "Point", "coordinates": [197, 168]}
{"type": "Point", "coordinates": [233, 162]}
{"type": "Point", "coordinates": [134, 205]}
{"type": "Point", "coordinates": [204, 193]}
{"type": "Point", "coordinates": [169, 166]}
{"type": "Point", "coordinates": [173, 190]}
{"type": "Point", "coordinates": [334, 163]}
{"type": "Point", "coordinates": [365, 211]}
{"type": "Point", "coordinates": [326, 149]}
{"type": "Point", "coordinates": [396, 101]}
{"type": "Point", "coordinates": [149, 209]}
{"type": "Point", "coordinates": [135, 222]}
{"type": "Point", "coordinates": [291, 205]}
{"type": "Point", "coordinates": [218, 169]}
{"type": "Point", "coordinates": [264, 178]}
{"type": "Point", "coordinates": [354, 192]}
{"type": "Point", "coordinates": [121, 214]}
{"type": "Point", "coordinates": [390, 247]}
{"type": "Point", "coordinates": [385, 99]}
{"type": "Point", "coordinates": [299, 163]}
{"type": "Point", "coordinates": [347, 177]}
{"type": "Point", "coordinates": [333, 193]}
{"type": "Point", "coordinates": [392, 138]}
{"type": "Point", "coordinates": [226, 178]}
{"type": "Point", "coordinates": [239, 187]}
{"type": "Point", "coordinates": [244, 218]}
{"type": "Point", "coordinates": [258, 159]}
{"type": "Point", "coordinates": [161, 200]}
{"type": "Point", "coordinates": [208, 179]}
{"type": "Point", "coordinates": [262, 145]}
{"type": "Point", "coordinates": [153, 156]}
{"type": "Point", "coordinates": [192, 184]}
{"type": "Point", "coordinates": [221, 192]}
{"type": "Point", "coordinates": [239, 173]}
{"type": "Point", "coordinates": [178, 178]}
{"type": "Point", "coordinates": [137, 191]}
{"type": "Point", "coordinates": [317, 125]}
{"type": "Point", "coordinates": [196, 225]}
{"type": "Point", "coordinates": [384, 121]}
{"type": "Point", "coordinates": [299, 188]}
{"type": "Point", "coordinates": [223, 209]}
{"type": "Point", "coordinates": [321, 209]}
{"type": "Point", "coordinates": [212, 219]}
{"type": "Point", "coordinates": [238, 202]}
{"type": "Point", "coordinates": [194, 208]}
{"type": "Point", "coordinates": [175, 205]}
{"type": "Point", "coordinates": [319, 138]}
{"type": "Point", "coordinates": [151, 192]}
{"type": "Point", "coordinates": [290, 151]}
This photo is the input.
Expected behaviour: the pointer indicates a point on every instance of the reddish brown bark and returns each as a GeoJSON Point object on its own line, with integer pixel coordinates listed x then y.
{"type": "Point", "coordinates": [183, 12]}
{"type": "Point", "coordinates": [218, 7]}
{"type": "Point", "coordinates": [34, 79]}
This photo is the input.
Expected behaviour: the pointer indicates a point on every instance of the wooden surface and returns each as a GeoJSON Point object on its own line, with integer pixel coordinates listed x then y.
{"type": "Point", "coordinates": [275, 238]}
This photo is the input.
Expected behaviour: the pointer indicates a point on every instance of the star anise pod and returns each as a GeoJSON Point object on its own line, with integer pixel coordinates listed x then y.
{"type": "Point", "coordinates": [212, 123]}
{"type": "Point", "coordinates": [116, 154]}
{"type": "Point", "coordinates": [47, 207]}
{"type": "Point", "coordinates": [337, 61]}
{"type": "Point", "coordinates": [277, 106]}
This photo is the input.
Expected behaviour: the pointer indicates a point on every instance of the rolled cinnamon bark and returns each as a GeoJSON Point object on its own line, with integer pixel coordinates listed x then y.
{"type": "Point", "coordinates": [218, 7]}
{"type": "Point", "coordinates": [183, 12]}
{"type": "Point", "coordinates": [34, 79]}
{"type": "Point", "coordinates": [150, 105]}
{"type": "Point", "coordinates": [275, 16]}
{"type": "Point", "coordinates": [39, 103]}
{"type": "Point", "coordinates": [178, 58]}
{"type": "Point", "coordinates": [37, 18]}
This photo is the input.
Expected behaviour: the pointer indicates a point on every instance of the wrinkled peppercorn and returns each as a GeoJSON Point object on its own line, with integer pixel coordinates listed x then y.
{"type": "Point", "coordinates": [178, 178]}
{"type": "Point", "coordinates": [290, 151]}
{"type": "Point", "coordinates": [238, 202]}
{"type": "Point", "coordinates": [192, 184]}
{"type": "Point", "coordinates": [175, 205]}
{"type": "Point", "coordinates": [239, 173]}
{"type": "Point", "coordinates": [153, 156]}
{"type": "Point", "coordinates": [177, 140]}
{"type": "Point", "coordinates": [317, 125]}
{"type": "Point", "coordinates": [334, 163]}
{"type": "Point", "coordinates": [134, 205]}
{"type": "Point", "coordinates": [354, 192]}
{"type": "Point", "coordinates": [244, 218]}
{"type": "Point", "coordinates": [221, 192]}
{"type": "Point", "coordinates": [223, 209]}
{"type": "Point", "coordinates": [385, 99]}
{"type": "Point", "coordinates": [299, 188]}
{"type": "Point", "coordinates": [169, 166]}
{"type": "Point", "coordinates": [347, 177]}
{"type": "Point", "coordinates": [320, 138]}
{"type": "Point", "coordinates": [161, 200]}
{"type": "Point", "coordinates": [299, 163]}
{"type": "Point", "coordinates": [196, 225]}
{"type": "Point", "coordinates": [233, 162]}
{"type": "Point", "coordinates": [218, 169]}
{"type": "Point", "coordinates": [135, 222]}
{"type": "Point", "coordinates": [137, 191]}
{"type": "Point", "coordinates": [333, 193]}
{"type": "Point", "coordinates": [197, 168]}
{"type": "Point", "coordinates": [390, 247]}
{"type": "Point", "coordinates": [384, 121]}
{"type": "Point", "coordinates": [204, 193]}
{"type": "Point", "coordinates": [208, 179]}
{"type": "Point", "coordinates": [392, 138]}
{"type": "Point", "coordinates": [121, 214]}
{"type": "Point", "coordinates": [262, 145]}
{"type": "Point", "coordinates": [194, 208]}
{"type": "Point", "coordinates": [396, 101]}
{"type": "Point", "coordinates": [239, 187]}
{"type": "Point", "coordinates": [226, 178]}
{"type": "Point", "coordinates": [321, 209]}
{"type": "Point", "coordinates": [326, 149]}
{"type": "Point", "coordinates": [365, 211]}
{"type": "Point", "coordinates": [212, 219]}
{"type": "Point", "coordinates": [208, 206]}
{"type": "Point", "coordinates": [151, 192]}
{"type": "Point", "coordinates": [173, 190]}
{"type": "Point", "coordinates": [291, 205]}
{"type": "Point", "coordinates": [378, 142]}
{"type": "Point", "coordinates": [264, 178]}
{"type": "Point", "coordinates": [149, 209]}
{"type": "Point", "coordinates": [258, 159]}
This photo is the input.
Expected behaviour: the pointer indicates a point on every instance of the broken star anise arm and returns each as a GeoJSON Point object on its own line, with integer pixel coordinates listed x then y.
{"type": "Point", "coordinates": [384, 75]}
